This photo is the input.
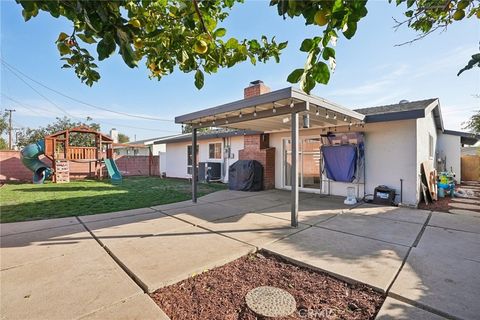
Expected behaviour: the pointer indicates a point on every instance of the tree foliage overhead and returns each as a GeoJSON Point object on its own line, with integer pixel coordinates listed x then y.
{"type": "Point", "coordinates": [187, 34]}
{"type": "Point", "coordinates": [123, 138]}
{"type": "Point", "coordinates": [3, 129]}
{"type": "Point", "coordinates": [29, 135]}
{"type": "Point", "coordinates": [473, 125]}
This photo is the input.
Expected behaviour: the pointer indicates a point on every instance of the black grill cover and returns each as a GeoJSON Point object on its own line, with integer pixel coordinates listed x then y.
{"type": "Point", "coordinates": [245, 175]}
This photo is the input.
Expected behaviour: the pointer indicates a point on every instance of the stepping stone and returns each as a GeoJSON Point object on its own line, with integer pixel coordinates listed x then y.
{"type": "Point", "coordinates": [466, 212]}
{"type": "Point", "coordinates": [464, 206]}
{"type": "Point", "coordinates": [270, 302]}
{"type": "Point", "coordinates": [466, 200]}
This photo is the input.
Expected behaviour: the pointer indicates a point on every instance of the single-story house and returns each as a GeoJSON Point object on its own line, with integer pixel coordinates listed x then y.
{"type": "Point", "coordinates": [389, 143]}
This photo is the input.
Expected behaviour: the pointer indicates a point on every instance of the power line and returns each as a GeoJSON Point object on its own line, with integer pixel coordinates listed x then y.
{"type": "Point", "coordinates": [23, 105]}
{"type": "Point", "coordinates": [29, 107]}
{"type": "Point", "coordinates": [78, 119]}
{"type": "Point", "coordinates": [83, 102]}
{"type": "Point", "coordinates": [38, 92]}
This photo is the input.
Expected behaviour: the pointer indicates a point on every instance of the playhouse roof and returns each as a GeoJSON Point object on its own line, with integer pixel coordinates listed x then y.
{"type": "Point", "coordinates": [82, 129]}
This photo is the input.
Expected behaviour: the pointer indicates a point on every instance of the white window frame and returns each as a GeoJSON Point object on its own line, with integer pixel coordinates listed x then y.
{"type": "Point", "coordinates": [221, 150]}
{"type": "Point", "coordinates": [431, 148]}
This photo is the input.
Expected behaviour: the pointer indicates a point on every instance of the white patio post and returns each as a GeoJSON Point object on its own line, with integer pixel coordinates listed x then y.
{"type": "Point", "coordinates": [194, 165]}
{"type": "Point", "coordinates": [294, 200]}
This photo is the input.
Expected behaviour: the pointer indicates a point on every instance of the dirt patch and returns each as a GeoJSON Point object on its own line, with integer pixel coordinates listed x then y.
{"type": "Point", "coordinates": [442, 204]}
{"type": "Point", "coordinates": [220, 292]}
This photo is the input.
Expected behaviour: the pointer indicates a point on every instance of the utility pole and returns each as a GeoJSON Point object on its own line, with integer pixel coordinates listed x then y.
{"type": "Point", "coordinates": [10, 128]}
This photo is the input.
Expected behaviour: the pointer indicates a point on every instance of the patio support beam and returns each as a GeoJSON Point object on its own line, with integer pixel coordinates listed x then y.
{"type": "Point", "coordinates": [264, 114]}
{"type": "Point", "coordinates": [194, 165]}
{"type": "Point", "coordinates": [294, 174]}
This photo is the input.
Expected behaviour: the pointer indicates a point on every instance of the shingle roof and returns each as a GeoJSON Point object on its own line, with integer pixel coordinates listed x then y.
{"type": "Point", "coordinates": [398, 107]}
{"type": "Point", "coordinates": [206, 135]}
{"type": "Point", "coordinates": [404, 111]}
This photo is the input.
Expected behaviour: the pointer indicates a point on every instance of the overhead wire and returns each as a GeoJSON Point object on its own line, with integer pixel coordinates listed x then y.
{"type": "Point", "coordinates": [84, 102]}
{"type": "Point", "coordinates": [72, 116]}
{"type": "Point", "coordinates": [39, 93]}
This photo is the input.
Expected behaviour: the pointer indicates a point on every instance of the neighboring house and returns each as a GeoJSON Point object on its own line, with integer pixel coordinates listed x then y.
{"type": "Point", "coordinates": [142, 148]}
{"type": "Point", "coordinates": [397, 139]}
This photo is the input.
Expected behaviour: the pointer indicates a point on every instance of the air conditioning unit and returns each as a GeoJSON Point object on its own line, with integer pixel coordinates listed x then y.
{"type": "Point", "coordinates": [209, 171]}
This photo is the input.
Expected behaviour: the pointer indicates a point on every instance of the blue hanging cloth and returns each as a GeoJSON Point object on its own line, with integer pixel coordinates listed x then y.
{"type": "Point", "coordinates": [340, 162]}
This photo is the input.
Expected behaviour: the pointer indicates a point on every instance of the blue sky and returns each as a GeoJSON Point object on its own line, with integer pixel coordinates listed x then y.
{"type": "Point", "coordinates": [370, 71]}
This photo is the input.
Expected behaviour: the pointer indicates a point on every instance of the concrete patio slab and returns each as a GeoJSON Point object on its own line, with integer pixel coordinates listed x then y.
{"type": "Point", "coordinates": [255, 229]}
{"type": "Point", "coordinates": [205, 212]}
{"type": "Point", "coordinates": [139, 307]}
{"type": "Point", "coordinates": [447, 284]}
{"type": "Point", "coordinates": [66, 286]}
{"type": "Point", "coordinates": [393, 231]}
{"type": "Point", "coordinates": [392, 213]}
{"type": "Point", "coordinates": [115, 215]}
{"type": "Point", "coordinates": [467, 206]}
{"type": "Point", "coordinates": [451, 243]}
{"type": "Point", "coordinates": [26, 248]}
{"type": "Point", "coordinates": [465, 212]}
{"type": "Point", "coordinates": [398, 310]}
{"type": "Point", "coordinates": [27, 226]}
{"type": "Point", "coordinates": [455, 221]}
{"type": "Point", "coordinates": [132, 227]}
{"type": "Point", "coordinates": [307, 214]}
{"type": "Point", "coordinates": [169, 257]}
{"type": "Point", "coordinates": [228, 194]}
{"type": "Point", "coordinates": [349, 257]}
{"type": "Point", "coordinates": [465, 200]}
{"type": "Point", "coordinates": [259, 202]}
{"type": "Point", "coordinates": [174, 205]}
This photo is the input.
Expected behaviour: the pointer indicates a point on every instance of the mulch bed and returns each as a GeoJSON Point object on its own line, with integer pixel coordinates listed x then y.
{"type": "Point", "coordinates": [442, 203]}
{"type": "Point", "coordinates": [220, 293]}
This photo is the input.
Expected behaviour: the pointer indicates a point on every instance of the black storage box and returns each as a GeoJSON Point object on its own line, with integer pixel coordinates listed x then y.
{"type": "Point", "coordinates": [384, 195]}
{"type": "Point", "coordinates": [245, 175]}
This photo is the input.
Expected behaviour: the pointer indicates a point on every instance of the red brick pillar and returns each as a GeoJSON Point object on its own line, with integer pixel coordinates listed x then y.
{"type": "Point", "coordinates": [256, 148]}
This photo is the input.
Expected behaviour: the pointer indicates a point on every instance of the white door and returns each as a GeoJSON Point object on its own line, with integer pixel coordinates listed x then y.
{"type": "Point", "coordinates": [309, 165]}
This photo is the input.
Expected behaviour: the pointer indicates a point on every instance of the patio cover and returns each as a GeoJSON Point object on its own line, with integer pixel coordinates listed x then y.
{"type": "Point", "coordinates": [274, 111]}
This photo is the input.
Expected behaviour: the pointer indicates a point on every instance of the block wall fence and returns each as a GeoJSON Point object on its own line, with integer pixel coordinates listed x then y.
{"type": "Point", "coordinates": [12, 168]}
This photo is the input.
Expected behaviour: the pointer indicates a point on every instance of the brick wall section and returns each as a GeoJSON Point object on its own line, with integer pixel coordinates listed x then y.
{"type": "Point", "coordinates": [254, 149]}
{"type": "Point", "coordinates": [12, 168]}
{"type": "Point", "coordinates": [255, 90]}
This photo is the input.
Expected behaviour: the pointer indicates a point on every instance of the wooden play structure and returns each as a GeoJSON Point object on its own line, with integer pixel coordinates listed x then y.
{"type": "Point", "coordinates": [61, 148]}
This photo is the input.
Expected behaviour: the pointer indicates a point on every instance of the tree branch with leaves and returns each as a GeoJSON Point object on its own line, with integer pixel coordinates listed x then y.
{"type": "Point", "coordinates": [186, 34]}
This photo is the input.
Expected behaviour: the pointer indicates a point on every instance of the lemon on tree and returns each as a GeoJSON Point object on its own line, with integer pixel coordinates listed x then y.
{"type": "Point", "coordinates": [463, 4]}
{"type": "Point", "coordinates": [138, 43]}
{"type": "Point", "coordinates": [320, 17]}
{"type": "Point", "coordinates": [200, 46]}
{"type": "Point", "coordinates": [459, 15]}
{"type": "Point", "coordinates": [135, 22]}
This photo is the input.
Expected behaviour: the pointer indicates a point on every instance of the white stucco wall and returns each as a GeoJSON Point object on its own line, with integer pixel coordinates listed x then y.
{"type": "Point", "coordinates": [389, 156]}
{"type": "Point", "coordinates": [425, 127]}
{"type": "Point", "coordinates": [157, 148]}
{"type": "Point", "coordinates": [176, 155]}
{"type": "Point", "coordinates": [450, 146]}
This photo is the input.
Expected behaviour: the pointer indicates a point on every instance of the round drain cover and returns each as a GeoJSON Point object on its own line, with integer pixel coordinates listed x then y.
{"type": "Point", "coordinates": [270, 302]}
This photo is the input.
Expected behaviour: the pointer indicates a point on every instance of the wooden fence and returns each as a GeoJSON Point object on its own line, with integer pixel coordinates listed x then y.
{"type": "Point", "coordinates": [470, 166]}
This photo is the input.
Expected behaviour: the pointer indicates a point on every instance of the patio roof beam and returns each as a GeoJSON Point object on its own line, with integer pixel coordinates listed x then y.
{"type": "Point", "coordinates": [294, 173]}
{"type": "Point", "coordinates": [285, 110]}
{"type": "Point", "coordinates": [277, 95]}
{"type": "Point", "coordinates": [300, 95]}
{"type": "Point", "coordinates": [194, 165]}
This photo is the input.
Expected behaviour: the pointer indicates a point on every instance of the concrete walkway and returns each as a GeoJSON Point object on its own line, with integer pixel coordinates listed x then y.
{"type": "Point", "coordinates": [101, 266]}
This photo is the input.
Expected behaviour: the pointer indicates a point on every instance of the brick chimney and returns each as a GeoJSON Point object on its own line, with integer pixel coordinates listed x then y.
{"type": "Point", "coordinates": [255, 88]}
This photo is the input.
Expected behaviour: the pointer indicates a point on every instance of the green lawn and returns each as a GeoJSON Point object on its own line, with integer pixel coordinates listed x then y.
{"type": "Point", "coordinates": [20, 202]}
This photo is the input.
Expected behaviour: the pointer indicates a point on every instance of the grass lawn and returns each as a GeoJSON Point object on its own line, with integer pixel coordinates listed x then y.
{"type": "Point", "coordinates": [21, 202]}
